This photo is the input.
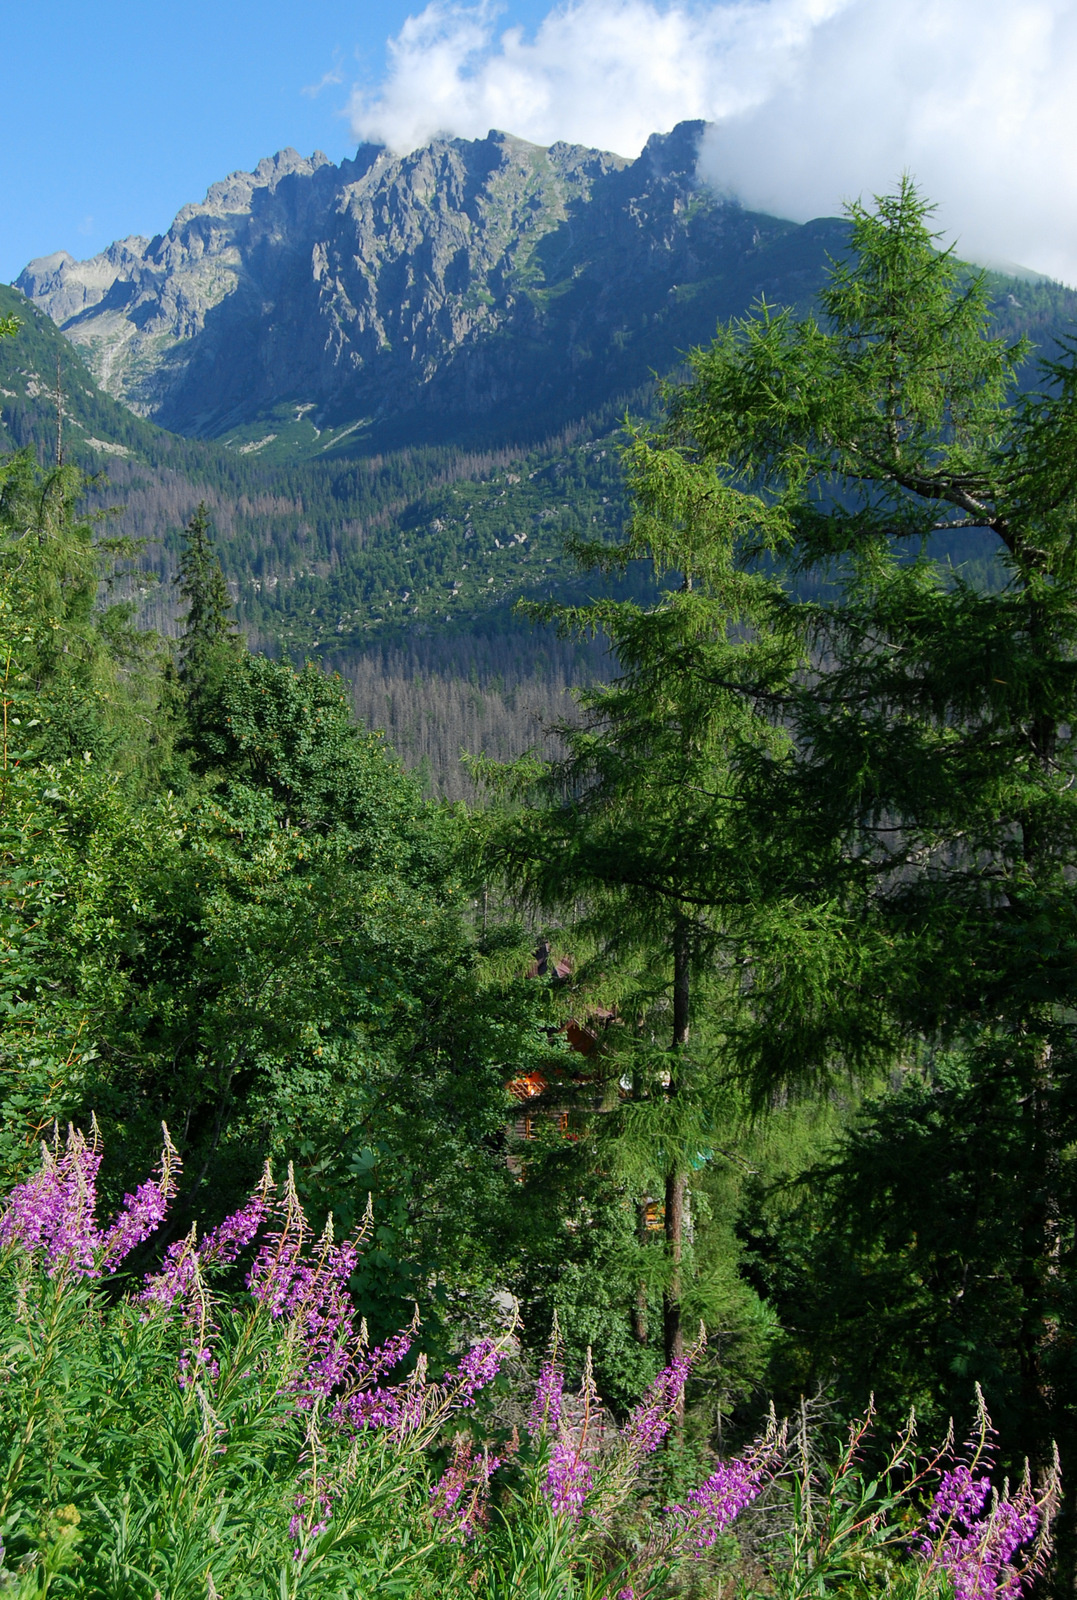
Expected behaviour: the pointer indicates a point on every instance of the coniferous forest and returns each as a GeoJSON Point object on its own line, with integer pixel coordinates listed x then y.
{"type": "Point", "coordinates": [652, 1175]}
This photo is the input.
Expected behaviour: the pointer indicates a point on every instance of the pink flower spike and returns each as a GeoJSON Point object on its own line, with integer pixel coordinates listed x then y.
{"type": "Point", "coordinates": [649, 1422]}
{"type": "Point", "coordinates": [178, 1278]}
{"type": "Point", "coordinates": [720, 1500]}
{"type": "Point", "coordinates": [222, 1245]}
{"type": "Point", "coordinates": [54, 1210]}
{"type": "Point", "coordinates": [545, 1411]}
{"type": "Point", "coordinates": [568, 1480]}
{"type": "Point", "coordinates": [478, 1368]}
{"type": "Point", "coordinates": [975, 1547]}
{"type": "Point", "coordinates": [143, 1212]}
{"type": "Point", "coordinates": [451, 1503]}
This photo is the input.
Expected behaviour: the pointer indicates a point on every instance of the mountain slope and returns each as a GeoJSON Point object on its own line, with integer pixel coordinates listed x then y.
{"type": "Point", "coordinates": [401, 384]}
{"type": "Point", "coordinates": [96, 428]}
{"type": "Point", "coordinates": [474, 292]}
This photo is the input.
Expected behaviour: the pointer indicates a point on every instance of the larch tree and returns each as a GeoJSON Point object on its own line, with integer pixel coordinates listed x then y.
{"type": "Point", "coordinates": [899, 866]}
{"type": "Point", "coordinates": [883, 850]}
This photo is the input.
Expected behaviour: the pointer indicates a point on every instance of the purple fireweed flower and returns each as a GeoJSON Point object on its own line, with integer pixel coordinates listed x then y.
{"type": "Point", "coordinates": [568, 1479]}
{"type": "Point", "coordinates": [222, 1244]}
{"type": "Point", "coordinates": [400, 1408]}
{"type": "Point", "coordinates": [300, 1553]}
{"type": "Point", "coordinates": [545, 1411]}
{"type": "Point", "coordinates": [404, 1407]}
{"type": "Point", "coordinates": [143, 1212]}
{"type": "Point", "coordinates": [649, 1422]}
{"type": "Point", "coordinates": [478, 1368]}
{"type": "Point", "coordinates": [54, 1210]}
{"type": "Point", "coordinates": [194, 1362]}
{"type": "Point", "coordinates": [458, 1498]}
{"type": "Point", "coordinates": [297, 1524]}
{"type": "Point", "coordinates": [374, 1407]}
{"type": "Point", "coordinates": [370, 1408]}
{"type": "Point", "coordinates": [184, 1260]}
{"type": "Point", "coordinates": [719, 1501]}
{"type": "Point", "coordinates": [372, 1363]}
{"type": "Point", "coordinates": [309, 1289]}
{"type": "Point", "coordinates": [177, 1279]}
{"type": "Point", "coordinates": [959, 1497]}
{"type": "Point", "coordinates": [280, 1274]}
{"type": "Point", "coordinates": [976, 1551]}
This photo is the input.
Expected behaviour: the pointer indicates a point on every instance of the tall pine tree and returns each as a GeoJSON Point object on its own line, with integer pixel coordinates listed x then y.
{"type": "Point", "coordinates": [897, 875]}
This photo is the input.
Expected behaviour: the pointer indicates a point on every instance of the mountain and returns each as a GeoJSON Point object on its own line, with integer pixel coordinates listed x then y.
{"type": "Point", "coordinates": [398, 384]}
{"type": "Point", "coordinates": [475, 292]}
{"type": "Point", "coordinates": [399, 571]}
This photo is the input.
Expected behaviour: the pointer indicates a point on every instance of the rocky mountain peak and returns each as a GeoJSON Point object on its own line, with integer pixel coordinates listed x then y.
{"type": "Point", "coordinates": [674, 153]}
{"type": "Point", "coordinates": [236, 193]}
{"type": "Point", "coordinates": [471, 277]}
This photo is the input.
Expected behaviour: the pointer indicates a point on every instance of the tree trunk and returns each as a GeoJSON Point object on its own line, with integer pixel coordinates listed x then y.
{"type": "Point", "coordinates": [1042, 1252]}
{"type": "Point", "coordinates": [673, 1332]}
{"type": "Point", "coordinates": [639, 1308]}
{"type": "Point", "coordinates": [672, 1326]}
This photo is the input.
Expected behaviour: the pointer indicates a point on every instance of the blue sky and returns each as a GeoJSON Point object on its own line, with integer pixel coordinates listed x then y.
{"type": "Point", "coordinates": [114, 114]}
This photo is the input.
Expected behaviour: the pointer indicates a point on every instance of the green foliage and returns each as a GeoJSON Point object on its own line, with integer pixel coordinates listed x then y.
{"type": "Point", "coordinates": [75, 700]}
{"type": "Point", "coordinates": [119, 1477]}
{"type": "Point", "coordinates": [268, 952]}
{"type": "Point", "coordinates": [901, 1262]}
{"type": "Point", "coordinates": [290, 735]}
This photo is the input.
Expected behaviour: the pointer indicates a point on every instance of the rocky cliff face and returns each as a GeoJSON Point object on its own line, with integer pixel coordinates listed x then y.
{"type": "Point", "coordinates": [481, 286]}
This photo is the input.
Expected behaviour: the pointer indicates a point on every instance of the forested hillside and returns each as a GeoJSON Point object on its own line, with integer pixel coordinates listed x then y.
{"type": "Point", "coordinates": [401, 452]}
{"type": "Point", "coordinates": [408, 561]}
{"type": "Point", "coordinates": [350, 562]}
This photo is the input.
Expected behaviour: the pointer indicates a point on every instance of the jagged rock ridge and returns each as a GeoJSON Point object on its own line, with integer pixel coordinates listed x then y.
{"type": "Point", "coordinates": [486, 281]}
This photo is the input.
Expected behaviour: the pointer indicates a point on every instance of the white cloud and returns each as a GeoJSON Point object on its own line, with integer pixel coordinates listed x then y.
{"type": "Point", "coordinates": [813, 100]}
{"type": "Point", "coordinates": [598, 72]}
{"type": "Point", "coordinates": [977, 98]}
{"type": "Point", "coordinates": [326, 81]}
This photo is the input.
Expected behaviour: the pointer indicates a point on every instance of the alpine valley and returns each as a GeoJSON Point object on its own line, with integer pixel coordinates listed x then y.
{"type": "Point", "coordinates": [398, 384]}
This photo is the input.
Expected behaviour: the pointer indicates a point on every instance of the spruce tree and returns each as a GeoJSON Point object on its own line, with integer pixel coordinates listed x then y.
{"type": "Point", "coordinates": [200, 579]}
{"type": "Point", "coordinates": [209, 645]}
